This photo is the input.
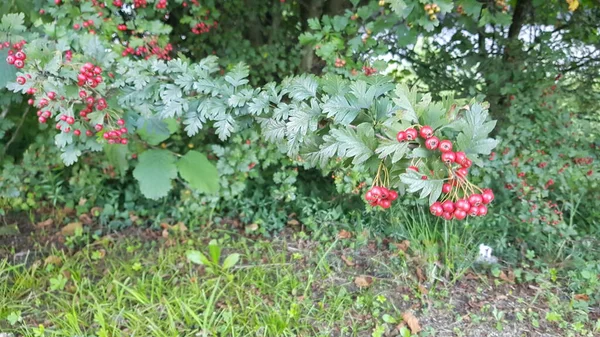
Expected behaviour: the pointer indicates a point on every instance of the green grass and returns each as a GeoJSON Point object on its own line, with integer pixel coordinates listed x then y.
{"type": "Point", "coordinates": [287, 286]}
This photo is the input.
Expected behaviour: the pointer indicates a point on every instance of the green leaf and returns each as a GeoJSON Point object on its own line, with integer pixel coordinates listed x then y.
{"type": "Point", "coordinates": [303, 87]}
{"type": "Point", "coordinates": [429, 187]}
{"type": "Point", "coordinates": [154, 172]}
{"type": "Point", "coordinates": [154, 131]}
{"type": "Point", "coordinates": [117, 156]}
{"type": "Point", "coordinates": [197, 257]}
{"type": "Point", "coordinates": [70, 154]}
{"type": "Point", "coordinates": [405, 100]}
{"type": "Point", "coordinates": [8, 73]}
{"type": "Point", "coordinates": [237, 76]}
{"type": "Point", "coordinates": [231, 261]}
{"type": "Point", "coordinates": [359, 144]}
{"type": "Point", "coordinates": [214, 250]}
{"type": "Point", "coordinates": [398, 150]}
{"type": "Point", "coordinates": [199, 172]}
{"type": "Point", "coordinates": [340, 110]}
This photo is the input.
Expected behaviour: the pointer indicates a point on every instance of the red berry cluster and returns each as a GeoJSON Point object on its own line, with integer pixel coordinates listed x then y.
{"type": "Point", "coordinates": [89, 75]}
{"type": "Point", "coordinates": [16, 55]}
{"type": "Point", "coordinates": [381, 196]}
{"type": "Point", "coordinates": [152, 48]}
{"type": "Point", "coordinates": [339, 63]}
{"type": "Point", "coordinates": [161, 4]}
{"type": "Point", "coordinates": [140, 3]}
{"type": "Point", "coordinates": [460, 196]}
{"type": "Point", "coordinates": [89, 24]}
{"type": "Point", "coordinates": [116, 136]}
{"type": "Point", "coordinates": [203, 27]}
{"type": "Point", "coordinates": [369, 70]}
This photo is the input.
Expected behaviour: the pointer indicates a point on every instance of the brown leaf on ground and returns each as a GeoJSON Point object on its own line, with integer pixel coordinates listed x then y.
{"type": "Point", "coordinates": [181, 227]}
{"type": "Point", "coordinates": [510, 278]}
{"type": "Point", "coordinates": [348, 261]}
{"type": "Point", "coordinates": [344, 234]}
{"type": "Point", "coordinates": [582, 297]}
{"type": "Point", "coordinates": [45, 224]}
{"type": "Point", "coordinates": [82, 201]}
{"type": "Point", "coordinates": [165, 233]}
{"type": "Point", "coordinates": [252, 227]}
{"type": "Point", "coordinates": [293, 222]}
{"type": "Point", "coordinates": [403, 246]}
{"type": "Point", "coordinates": [69, 211]}
{"type": "Point", "coordinates": [95, 211]}
{"type": "Point", "coordinates": [422, 289]}
{"type": "Point", "coordinates": [411, 321]}
{"type": "Point", "coordinates": [133, 217]}
{"type": "Point", "coordinates": [53, 259]}
{"type": "Point", "coordinates": [85, 219]}
{"type": "Point", "coordinates": [420, 275]}
{"type": "Point", "coordinates": [363, 281]}
{"type": "Point", "coordinates": [71, 228]}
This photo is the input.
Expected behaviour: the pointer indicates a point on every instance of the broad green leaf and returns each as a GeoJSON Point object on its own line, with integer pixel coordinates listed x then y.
{"type": "Point", "coordinates": [154, 131]}
{"type": "Point", "coordinates": [197, 257]}
{"type": "Point", "coordinates": [396, 149]}
{"type": "Point", "coordinates": [8, 72]}
{"type": "Point", "coordinates": [214, 250]}
{"type": "Point", "coordinates": [199, 172]}
{"type": "Point", "coordinates": [405, 100]}
{"type": "Point", "coordinates": [340, 110]}
{"type": "Point", "coordinates": [154, 172]}
{"type": "Point", "coordinates": [117, 156]}
{"type": "Point", "coordinates": [231, 261]}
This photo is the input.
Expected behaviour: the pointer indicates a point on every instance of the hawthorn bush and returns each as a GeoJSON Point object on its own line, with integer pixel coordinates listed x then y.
{"type": "Point", "coordinates": [155, 90]}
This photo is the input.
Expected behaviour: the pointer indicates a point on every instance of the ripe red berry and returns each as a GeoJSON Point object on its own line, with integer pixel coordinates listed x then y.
{"type": "Point", "coordinates": [76, 26]}
{"type": "Point", "coordinates": [52, 95]}
{"type": "Point", "coordinates": [432, 143]}
{"type": "Point", "coordinates": [414, 168]}
{"type": "Point", "coordinates": [460, 157]}
{"type": "Point", "coordinates": [10, 59]}
{"type": "Point", "coordinates": [426, 131]}
{"type": "Point", "coordinates": [77, 132]}
{"type": "Point", "coordinates": [475, 199]}
{"type": "Point", "coordinates": [474, 211]}
{"type": "Point", "coordinates": [467, 163]}
{"type": "Point", "coordinates": [448, 206]}
{"type": "Point", "coordinates": [98, 127]}
{"type": "Point", "coordinates": [21, 80]}
{"type": "Point", "coordinates": [460, 214]}
{"type": "Point", "coordinates": [20, 55]}
{"type": "Point", "coordinates": [88, 133]}
{"type": "Point", "coordinates": [19, 64]}
{"type": "Point", "coordinates": [401, 136]}
{"type": "Point", "coordinates": [411, 134]}
{"type": "Point", "coordinates": [393, 195]}
{"type": "Point", "coordinates": [436, 209]}
{"type": "Point", "coordinates": [461, 172]}
{"type": "Point", "coordinates": [482, 210]}
{"type": "Point", "coordinates": [448, 157]}
{"type": "Point", "coordinates": [487, 195]}
{"type": "Point", "coordinates": [43, 102]}
{"type": "Point", "coordinates": [42, 119]}
{"type": "Point", "coordinates": [30, 101]}
{"type": "Point", "coordinates": [70, 120]}
{"type": "Point", "coordinates": [448, 216]}
{"type": "Point", "coordinates": [385, 203]}
{"type": "Point", "coordinates": [376, 191]}
{"type": "Point", "coordinates": [446, 188]}
{"type": "Point", "coordinates": [462, 204]}
{"type": "Point", "coordinates": [369, 196]}
{"type": "Point", "coordinates": [121, 121]}
{"type": "Point", "coordinates": [82, 94]}
{"type": "Point", "coordinates": [445, 146]}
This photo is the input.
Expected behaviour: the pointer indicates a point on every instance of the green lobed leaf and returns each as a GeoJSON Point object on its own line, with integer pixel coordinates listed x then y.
{"type": "Point", "coordinates": [199, 172]}
{"type": "Point", "coordinates": [154, 172]}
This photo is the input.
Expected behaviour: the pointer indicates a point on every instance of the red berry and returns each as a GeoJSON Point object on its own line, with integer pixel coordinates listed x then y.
{"type": "Point", "coordinates": [70, 120]}
{"type": "Point", "coordinates": [426, 131]}
{"type": "Point", "coordinates": [42, 119]}
{"type": "Point", "coordinates": [385, 203]}
{"type": "Point", "coordinates": [10, 59]}
{"type": "Point", "coordinates": [462, 204]}
{"type": "Point", "coordinates": [482, 210]}
{"type": "Point", "coordinates": [376, 191]}
{"type": "Point", "coordinates": [487, 195]}
{"type": "Point", "coordinates": [446, 188]}
{"type": "Point", "coordinates": [21, 80]}
{"type": "Point", "coordinates": [467, 163]}
{"type": "Point", "coordinates": [47, 114]}
{"type": "Point", "coordinates": [448, 206]}
{"type": "Point", "coordinates": [414, 168]}
{"type": "Point", "coordinates": [447, 216]}
{"type": "Point", "coordinates": [411, 134]}
{"type": "Point", "coordinates": [76, 26]}
{"type": "Point", "coordinates": [448, 157]}
{"type": "Point", "coordinates": [30, 101]}
{"type": "Point", "coordinates": [63, 118]}
{"type": "Point", "coordinates": [52, 95]}
{"type": "Point", "coordinates": [369, 196]}
{"type": "Point", "coordinates": [393, 195]}
{"type": "Point", "coordinates": [474, 211]}
{"type": "Point", "coordinates": [475, 199]}
{"type": "Point", "coordinates": [82, 94]}
{"type": "Point", "coordinates": [20, 55]}
{"type": "Point", "coordinates": [432, 143]}
{"type": "Point", "coordinates": [445, 146]}
{"type": "Point", "coordinates": [88, 133]}
{"type": "Point", "coordinates": [43, 102]}
{"type": "Point", "coordinates": [462, 172]}
{"type": "Point", "coordinates": [401, 136]}
{"type": "Point", "coordinates": [459, 214]}
{"type": "Point", "coordinates": [19, 64]}
{"type": "Point", "coordinates": [121, 122]}
{"type": "Point", "coordinates": [77, 132]}
{"type": "Point", "coordinates": [98, 127]}
{"type": "Point", "coordinates": [123, 130]}
{"type": "Point", "coordinates": [460, 157]}
{"type": "Point", "coordinates": [436, 209]}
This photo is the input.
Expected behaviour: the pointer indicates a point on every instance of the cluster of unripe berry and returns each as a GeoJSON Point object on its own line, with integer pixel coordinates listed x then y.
{"type": "Point", "coordinates": [89, 75]}
{"type": "Point", "coordinates": [16, 56]}
{"type": "Point", "coordinates": [381, 196]}
{"type": "Point", "coordinates": [339, 63]}
{"type": "Point", "coordinates": [431, 10]}
{"type": "Point", "coordinates": [460, 197]}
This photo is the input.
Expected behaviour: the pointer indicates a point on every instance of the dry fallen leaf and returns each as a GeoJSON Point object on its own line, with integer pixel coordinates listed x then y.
{"type": "Point", "coordinates": [180, 226]}
{"type": "Point", "coordinates": [95, 211]}
{"type": "Point", "coordinates": [71, 228]}
{"type": "Point", "coordinates": [411, 321]}
{"type": "Point", "coordinates": [53, 259]}
{"type": "Point", "coordinates": [582, 297]}
{"type": "Point", "coordinates": [133, 217]}
{"type": "Point", "coordinates": [44, 224]}
{"type": "Point", "coordinates": [403, 246]}
{"type": "Point", "coordinates": [507, 278]}
{"type": "Point", "coordinates": [165, 233]}
{"type": "Point", "coordinates": [84, 218]}
{"type": "Point", "coordinates": [82, 201]}
{"type": "Point", "coordinates": [293, 222]}
{"type": "Point", "coordinates": [344, 234]}
{"type": "Point", "coordinates": [252, 227]}
{"type": "Point", "coordinates": [420, 275]}
{"type": "Point", "coordinates": [348, 261]}
{"type": "Point", "coordinates": [363, 281]}
{"type": "Point", "coordinates": [423, 290]}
